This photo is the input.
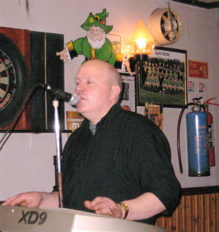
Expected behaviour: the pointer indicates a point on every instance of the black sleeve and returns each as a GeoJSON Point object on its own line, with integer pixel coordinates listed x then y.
{"type": "Point", "coordinates": [156, 172]}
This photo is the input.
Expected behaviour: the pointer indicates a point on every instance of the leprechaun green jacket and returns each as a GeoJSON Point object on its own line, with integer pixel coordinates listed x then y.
{"type": "Point", "coordinates": [82, 47]}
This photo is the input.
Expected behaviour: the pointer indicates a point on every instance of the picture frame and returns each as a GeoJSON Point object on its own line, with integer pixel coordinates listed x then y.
{"type": "Point", "coordinates": [116, 39]}
{"type": "Point", "coordinates": [163, 78]}
{"type": "Point", "coordinates": [128, 99]}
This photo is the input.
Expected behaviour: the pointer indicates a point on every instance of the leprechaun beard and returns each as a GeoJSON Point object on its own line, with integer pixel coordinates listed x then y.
{"type": "Point", "coordinates": [98, 43]}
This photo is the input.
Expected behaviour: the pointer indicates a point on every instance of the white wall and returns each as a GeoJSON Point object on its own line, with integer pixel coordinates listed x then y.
{"type": "Point", "coordinates": [26, 161]}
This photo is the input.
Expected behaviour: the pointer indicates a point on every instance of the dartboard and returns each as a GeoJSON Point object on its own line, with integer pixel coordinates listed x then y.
{"type": "Point", "coordinates": [13, 80]}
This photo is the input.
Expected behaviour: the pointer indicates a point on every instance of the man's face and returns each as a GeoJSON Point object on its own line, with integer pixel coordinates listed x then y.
{"type": "Point", "coordinates": [94, 88]}
{"type": "Point", "coordinates": [95, 33]}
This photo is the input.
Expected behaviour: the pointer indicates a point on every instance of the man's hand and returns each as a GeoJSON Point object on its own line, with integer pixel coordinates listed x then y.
{"type": "Point", "coordinates": [30, 199]}
{"type": "Point", "coordinates": [104, 206]}
{"type": "Point", "coordinates": [34, 199]}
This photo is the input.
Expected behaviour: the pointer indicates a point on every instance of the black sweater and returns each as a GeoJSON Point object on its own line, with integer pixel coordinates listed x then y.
{"type": "Point", "coordinates": [128, 156]}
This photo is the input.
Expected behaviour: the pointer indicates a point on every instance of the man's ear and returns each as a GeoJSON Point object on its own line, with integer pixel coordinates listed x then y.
{"type": "Point", "coordinates": [115, 92]}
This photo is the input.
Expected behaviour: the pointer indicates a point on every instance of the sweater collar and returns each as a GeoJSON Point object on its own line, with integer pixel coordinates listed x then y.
{"type": "Point", "coordinates": [106, 119]}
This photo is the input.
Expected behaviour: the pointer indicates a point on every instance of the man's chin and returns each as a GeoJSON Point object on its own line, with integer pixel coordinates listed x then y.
{"type": "Point", "coordinates": [80, 108]}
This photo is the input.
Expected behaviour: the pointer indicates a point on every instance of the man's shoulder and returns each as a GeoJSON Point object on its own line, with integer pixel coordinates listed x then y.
{"type": "Point", "coordinates": [135, 119]}
{"type": "Point", "coordinates": [84, 127]}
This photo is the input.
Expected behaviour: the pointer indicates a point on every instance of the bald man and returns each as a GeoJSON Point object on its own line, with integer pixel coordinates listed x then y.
{"type": "Point", "coordinates": [117, 163]}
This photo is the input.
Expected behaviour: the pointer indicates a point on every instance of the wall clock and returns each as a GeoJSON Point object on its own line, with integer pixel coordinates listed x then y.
{"type": "Point", "coordinates": [13, 80]}
{"type": "Point", "coordinates": [165, 26]}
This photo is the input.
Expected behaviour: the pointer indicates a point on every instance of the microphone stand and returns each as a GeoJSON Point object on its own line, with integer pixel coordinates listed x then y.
{"type": "Point", "coordinates": [58, 151]}
{"type": "Point", "coordinates": [56, 128]}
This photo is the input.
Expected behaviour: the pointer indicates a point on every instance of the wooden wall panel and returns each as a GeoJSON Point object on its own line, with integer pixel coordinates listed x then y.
{"type": "Point", "coordinates": [196, 213]}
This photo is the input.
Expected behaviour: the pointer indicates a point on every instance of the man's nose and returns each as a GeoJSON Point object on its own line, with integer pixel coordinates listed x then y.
{"type": "Point", "coordinates": [79, 88]}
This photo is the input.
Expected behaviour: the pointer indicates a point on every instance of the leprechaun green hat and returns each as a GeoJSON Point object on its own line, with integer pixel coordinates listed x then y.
{"type": "Point", "coordinates": [99, 20]}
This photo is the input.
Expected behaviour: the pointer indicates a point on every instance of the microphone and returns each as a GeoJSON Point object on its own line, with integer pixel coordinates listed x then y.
{"type": "Point", "coordinates": [71, 99]}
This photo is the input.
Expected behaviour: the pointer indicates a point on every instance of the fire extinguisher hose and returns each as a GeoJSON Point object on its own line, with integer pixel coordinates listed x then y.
{"type": "Point", "coordinates": [178, 136]}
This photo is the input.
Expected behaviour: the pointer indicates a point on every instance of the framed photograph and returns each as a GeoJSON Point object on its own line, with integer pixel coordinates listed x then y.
{"type": "Point", "coordinates": [115, 39]}
{"type": "Point", "coordinates": [155, 114]}
{"type": "Point", "coordinates": [161, 78]}
{"type": "Point", "coordinates": [128, 97]}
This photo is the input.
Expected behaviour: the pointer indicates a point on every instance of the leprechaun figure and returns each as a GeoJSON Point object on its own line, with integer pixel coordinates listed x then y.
{"type": "Point", "coordinates": [95, 45]}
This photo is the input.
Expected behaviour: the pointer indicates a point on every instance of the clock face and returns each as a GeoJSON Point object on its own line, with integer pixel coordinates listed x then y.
{"type": "Point", "coordinates": [13, 80]}
{"type": "Point", "coordinates": [165, 26]}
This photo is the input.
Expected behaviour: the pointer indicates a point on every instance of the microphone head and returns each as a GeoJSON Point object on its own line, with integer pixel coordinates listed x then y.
{"type": "Point", "coordinates": [74, 100]}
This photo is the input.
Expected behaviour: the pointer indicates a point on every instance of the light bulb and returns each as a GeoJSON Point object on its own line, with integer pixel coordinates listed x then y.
{"type": "Point", "coordinates": [141, 43]}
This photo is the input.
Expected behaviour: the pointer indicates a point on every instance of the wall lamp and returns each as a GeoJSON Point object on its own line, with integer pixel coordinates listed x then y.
{"type": "Point", "coordinates": [141, 41]}
{"type": "Point", "coordinates": [141, 45]}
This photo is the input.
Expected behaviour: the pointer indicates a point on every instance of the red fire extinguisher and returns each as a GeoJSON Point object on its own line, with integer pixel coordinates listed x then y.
{"type": "Point", "coordinates": [210, 132]}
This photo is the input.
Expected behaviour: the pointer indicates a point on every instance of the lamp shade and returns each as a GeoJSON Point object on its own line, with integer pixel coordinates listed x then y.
{"type": "Point", "coordinates": [141, 39]}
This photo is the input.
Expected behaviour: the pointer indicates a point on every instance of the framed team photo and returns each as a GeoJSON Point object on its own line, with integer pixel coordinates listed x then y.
{"type": "Point", "coordinates": [162, 78]}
